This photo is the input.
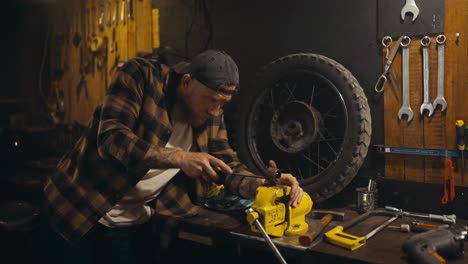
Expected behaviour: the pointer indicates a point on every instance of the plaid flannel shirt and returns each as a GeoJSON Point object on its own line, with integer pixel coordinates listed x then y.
{"type": "Point", "coordinates": [105, 162]}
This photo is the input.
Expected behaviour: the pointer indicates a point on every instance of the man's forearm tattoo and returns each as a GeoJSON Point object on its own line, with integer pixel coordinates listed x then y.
{"type": "Point", "coordinates": [162, 158]}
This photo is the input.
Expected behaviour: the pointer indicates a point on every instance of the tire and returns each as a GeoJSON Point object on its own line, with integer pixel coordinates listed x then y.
{"type": "Point", "coordinates": [310, 115]}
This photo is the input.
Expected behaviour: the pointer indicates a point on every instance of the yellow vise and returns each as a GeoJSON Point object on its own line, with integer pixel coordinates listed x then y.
{"type": "Point", "coordinates": [272, 210]}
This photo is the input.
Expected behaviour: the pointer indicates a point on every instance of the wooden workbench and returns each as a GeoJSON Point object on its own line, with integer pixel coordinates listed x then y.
{"type": "Point", "coordinates": [232, 240]}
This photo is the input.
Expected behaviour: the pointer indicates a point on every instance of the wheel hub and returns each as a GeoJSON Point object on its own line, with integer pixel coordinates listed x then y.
{"type": "Point", "coordinates": [294, 126]}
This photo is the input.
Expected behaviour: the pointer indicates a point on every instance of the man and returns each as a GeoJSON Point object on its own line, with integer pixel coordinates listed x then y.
{"type": "Point", "coordinates": [159, 134]}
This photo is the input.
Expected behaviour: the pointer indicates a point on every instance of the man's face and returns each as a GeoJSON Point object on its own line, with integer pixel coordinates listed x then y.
{"type": "Point", "coordinates": [200, 102]}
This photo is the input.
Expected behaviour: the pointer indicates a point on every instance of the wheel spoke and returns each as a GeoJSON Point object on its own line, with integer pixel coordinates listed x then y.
{"type": "Point", "coordinates": [291, 92]}
{"type": "Point", "coordinates": [312, 95]}
{"type": "Point", "coordinates": [328, 144]}
{"type": "Point", "coordinates": [311, 161]}
{"type": "Point", "coordinates": [272, 98]}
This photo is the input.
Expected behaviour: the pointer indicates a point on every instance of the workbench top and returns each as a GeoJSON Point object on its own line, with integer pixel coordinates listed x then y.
{"type": "Point", "coordinates": [383, 247]}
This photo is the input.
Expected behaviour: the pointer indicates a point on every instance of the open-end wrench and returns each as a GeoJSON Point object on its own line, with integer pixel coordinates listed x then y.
{"type": "Point", "coordinates": [405, 108]}
{"type": "Point", "coordinates": [410, 7]}
{"type": "Point", "coordinates": [440, 100]}
{"type": "Point", "coordinates": [426, 105]}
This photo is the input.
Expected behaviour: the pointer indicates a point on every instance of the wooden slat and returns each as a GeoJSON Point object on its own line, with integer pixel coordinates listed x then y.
{"type": "Point", "coordinates": [144, 29]}
{"type": "Point", "coordinates": [394, 164]}
{"type": "Point", "coordinates": [456, 67]}
{"type": "Point", "coordinates": [434, 126]}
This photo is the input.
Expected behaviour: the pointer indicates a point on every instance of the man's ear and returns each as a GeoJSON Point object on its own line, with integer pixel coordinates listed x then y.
{"type": "Point", "coordinates": [186, 78]}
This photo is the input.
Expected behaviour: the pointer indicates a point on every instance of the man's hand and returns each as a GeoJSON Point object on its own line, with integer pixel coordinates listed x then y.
{"type": "Point", "coordinates": [202, 165]}
{"type": "Point", "coordinates": [288, 179]}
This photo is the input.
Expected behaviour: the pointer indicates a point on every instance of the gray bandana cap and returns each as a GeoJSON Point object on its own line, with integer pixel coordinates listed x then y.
{"type": "Point", "coordinates": [213, 68]}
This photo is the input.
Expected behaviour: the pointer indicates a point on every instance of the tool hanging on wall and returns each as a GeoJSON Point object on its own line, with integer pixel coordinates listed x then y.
{"type": "Point", "coordinates": [122, 11]}
{"type": "Point", "coordinates": [76, 37]}
{"type": "Point", "coordinates": [449, 179]}
{"type": "Point", "coordinates": [440, 100]}
{"type": "Point", "coordinates": [410, 7]}
{"type": "Point", "coordinates": [82, 83]}
{"type": "Point", "coordinates": [460, 138]}
{"type": "Point", "coordinates": [405, 108]}
{"type": "Point", "coordinates": [130, 9]}
{"type": "Point", "coordinates": [101, 16]}
{"type": "Point", "coordinates": [426, 105]}
{"type": "Point", "coordinates": [115, 11]}
{"type": "Point", "coordinates": [113, 44]}
{"type": "Point", "coordinates": [386, 42]}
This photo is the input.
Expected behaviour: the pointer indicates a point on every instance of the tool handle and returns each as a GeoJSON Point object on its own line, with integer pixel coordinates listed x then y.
{"type": "Point", "coordinates": [460, 132]}
{"type": "Point", "coordinates": [306, 239]}
{"type": "Point", "coordinates": [444, 218]}
{"type": "Point", "coordinates": [252, 216]}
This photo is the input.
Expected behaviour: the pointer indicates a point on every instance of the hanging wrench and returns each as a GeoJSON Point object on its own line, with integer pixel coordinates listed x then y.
{"type": "Point", "coordinates": [440, 100]}
{"type": "Point", "coordinates": [390, 56]}
{"type": "Point", "coordinates": [426, 105]}
{"type": "Point", "coordinates": [410, 7]}
{"type": "Point", "coordinates": [405, 106]}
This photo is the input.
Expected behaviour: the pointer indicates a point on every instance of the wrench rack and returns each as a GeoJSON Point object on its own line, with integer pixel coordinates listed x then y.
{"type": "Point", "coordinates": [438, 130]}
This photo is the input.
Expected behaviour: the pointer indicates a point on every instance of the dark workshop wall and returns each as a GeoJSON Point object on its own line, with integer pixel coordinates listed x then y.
{"type": "Point", "coordinates": [23, 29]}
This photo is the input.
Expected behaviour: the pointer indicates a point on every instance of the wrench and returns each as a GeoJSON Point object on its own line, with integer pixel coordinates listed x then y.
{"type": "Point", "coordinates": [426, 105]}
{"type": "Point", "coordinates": [410, 7]}
{"type": "Point", "coordinates": [390, 56]}
{"type": "Point", "coordinates": [405, 108]}
{"type": "Point", "coordinates": [440, 100]}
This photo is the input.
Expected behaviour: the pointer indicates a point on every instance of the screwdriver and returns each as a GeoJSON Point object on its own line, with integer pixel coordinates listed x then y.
{"type": "Point", "coordinates": [460, 139]}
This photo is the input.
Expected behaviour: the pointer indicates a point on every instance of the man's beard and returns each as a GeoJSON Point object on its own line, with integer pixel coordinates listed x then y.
{"type": "Point", "coordinates": [193, 119]}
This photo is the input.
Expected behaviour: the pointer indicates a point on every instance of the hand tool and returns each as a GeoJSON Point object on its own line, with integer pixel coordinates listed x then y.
{"type": "Point", "coordinates": [307, 238]}
{"type": "Point", "coordinates": [416, 151]}
{"type": "Point", "coordinates": [326, 217]}
{"type": "Point", "coordinates": [122, 12]}
{"type": "Point", "coordinates": [406, 228]}
{"type": "Point", "coordinates": [405, 107]}
{"type": "Point", "coordinates": [426, 105]}
{"type": "Point", "coordinates": [433, 245]}
{"type": "Point", "coordinates": [115, 12]}
{"type": "Point", "coordinates": [337, 237]}
{"type": "Point", "coordinates": [252, 217]}
{"type": "Point", "coordinates": [440, 100]}
{"type": "Point", "coordinates": [443, 218]}
{"type": "Point", "coordinates": [427, 225]}
{"type": "Point", "coordinates": [76, 40]}
{"type": "Point", "coordinates": [313, 238]}
{"type": "Point", "coordinates": [101, 15]}
{"type": "Point", "coordinates": [448, 176]}
{"type": "Point", "coordinates": [460, 133]}
{"type": "Point", "coordinates": [82, 84]}
{"type": "Point", "coordinates": [130, 9]}
{"type": "Point", "coordinates": [410, 7]}
{"type": "Point", "coordinates": [386, 41]}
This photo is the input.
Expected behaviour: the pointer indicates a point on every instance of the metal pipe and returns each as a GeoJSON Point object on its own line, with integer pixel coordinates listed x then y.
{"type": "Point", "coordinates": [268, 239]}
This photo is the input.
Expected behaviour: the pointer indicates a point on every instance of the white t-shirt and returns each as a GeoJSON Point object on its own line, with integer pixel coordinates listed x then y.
{"type": "Point", "coordinates": [132, 209]}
